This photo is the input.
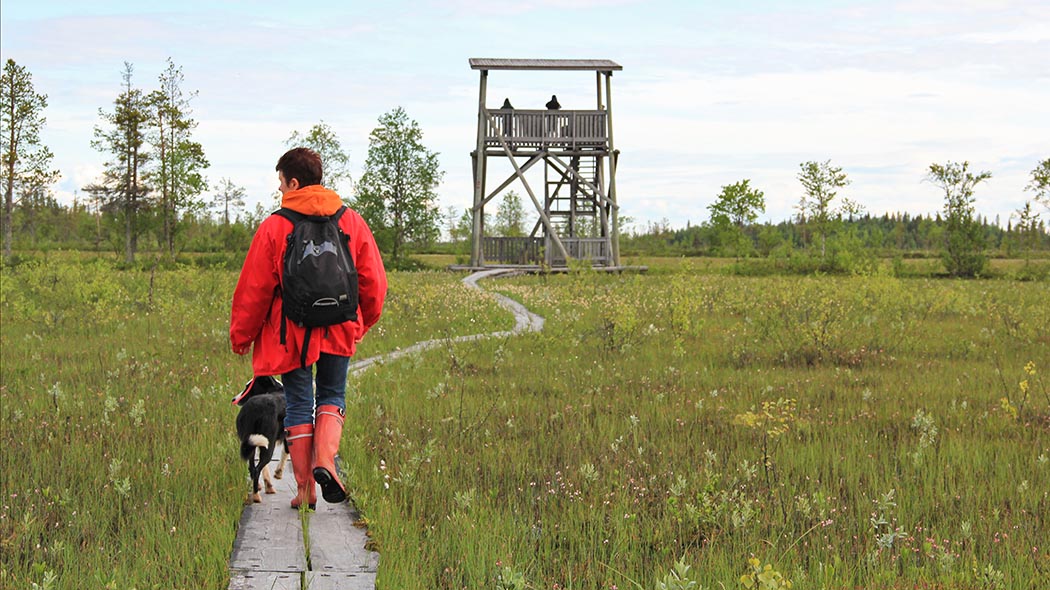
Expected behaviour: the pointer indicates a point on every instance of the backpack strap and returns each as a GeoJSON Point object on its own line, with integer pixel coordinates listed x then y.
{"type": "Point", "coordinates": [295, 216]}
{"type": "Point", "coordinates": [335, 218]}
{"type": "Point", "coordinates": [305, 349]}
{"type": "Point", "coordinates": [290, 214]}
{"type": "Point", "coordinates": [284, 328]}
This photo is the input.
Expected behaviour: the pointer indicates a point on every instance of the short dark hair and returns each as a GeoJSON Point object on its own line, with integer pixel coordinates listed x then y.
{"type": "Point", "coordinates": [301, 163]}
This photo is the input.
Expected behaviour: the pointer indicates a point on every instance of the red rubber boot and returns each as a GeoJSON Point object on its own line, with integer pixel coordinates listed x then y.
{"type": "Point", "coordinates": [301, 450]}
{"type": "Point", "coordinates": [327, 433]}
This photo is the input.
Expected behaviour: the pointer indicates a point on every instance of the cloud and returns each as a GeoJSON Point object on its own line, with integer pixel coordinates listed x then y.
{"type": "Point", "coordinates": [519, 7]}
{"type": "Point", "coordinates": [710, 93]}
{"type": "Point", "coordinates": [1032, 32]}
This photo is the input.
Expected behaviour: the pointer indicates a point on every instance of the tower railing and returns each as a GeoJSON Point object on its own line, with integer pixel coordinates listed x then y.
{"type": "Point", "coordinates": [518, 250]}
{"type": "Point", "coordinates": [536, 250]}
{"type": "Point", "coordinates": [546, 128]}
{"type": "Point", "coordinates": [596, 250]}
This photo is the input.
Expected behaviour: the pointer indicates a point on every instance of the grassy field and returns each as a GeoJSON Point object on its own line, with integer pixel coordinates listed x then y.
{"type": "Point", "coordinates": [118, 455]}
{"type": "Point", "coordinates": [848, 432]}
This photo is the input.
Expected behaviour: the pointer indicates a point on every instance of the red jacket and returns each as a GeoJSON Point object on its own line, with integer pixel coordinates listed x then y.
{"type": "Point", "coordinates": [256, 315]}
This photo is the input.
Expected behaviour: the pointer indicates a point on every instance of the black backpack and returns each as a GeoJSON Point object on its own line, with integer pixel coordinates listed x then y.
{"type": "Point", "coordinates": [319, 279]}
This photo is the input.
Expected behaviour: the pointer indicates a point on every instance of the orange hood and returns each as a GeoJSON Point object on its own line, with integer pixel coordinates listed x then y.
{"type": "Point", "coordinates": [312, 200]}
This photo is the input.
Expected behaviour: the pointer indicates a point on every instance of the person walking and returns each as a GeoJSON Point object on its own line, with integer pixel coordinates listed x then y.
{"type": "Point", "coordinates": [306, 357]}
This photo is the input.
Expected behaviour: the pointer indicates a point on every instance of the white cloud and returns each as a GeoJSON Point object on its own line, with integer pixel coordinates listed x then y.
{"type": "Point", "coordinates": [710, 93]}
{"type": "Point", "coordinates": [1031, 32]}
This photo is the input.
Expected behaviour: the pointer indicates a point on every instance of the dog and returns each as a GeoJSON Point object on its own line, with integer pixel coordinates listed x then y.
{"type": "Point", "coordinates": [260, 426]}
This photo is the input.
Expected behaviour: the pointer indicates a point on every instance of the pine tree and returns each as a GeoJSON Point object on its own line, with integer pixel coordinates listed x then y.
{"type": "Point", "coordinates": [25, 164]}
{"type": "Point", "coordinates": [179, 159]}
{"type": "Point", "coordinates": [1027, 230]}
{"type": "Point", "coordinates": [227, 196]}
{"type": "Point", "coordinates": [125, 141]}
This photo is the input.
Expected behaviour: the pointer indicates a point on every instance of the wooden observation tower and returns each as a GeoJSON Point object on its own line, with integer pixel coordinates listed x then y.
{"type": "Point", "coordinates": [578, 211]}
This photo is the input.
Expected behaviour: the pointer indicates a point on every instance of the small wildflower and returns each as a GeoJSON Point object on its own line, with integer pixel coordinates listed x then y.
{"type": "Point", "coordinates": [1007, 407]}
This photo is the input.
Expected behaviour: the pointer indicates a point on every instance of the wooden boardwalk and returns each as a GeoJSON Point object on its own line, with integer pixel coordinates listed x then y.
{"type": "Point", "coordinates": [270, 552]}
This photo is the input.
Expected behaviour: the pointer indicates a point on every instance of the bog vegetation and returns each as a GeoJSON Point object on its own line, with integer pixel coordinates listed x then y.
{"type": "Point", "coordinates": [687, 425]}
{"type": "Point", "coordinates": [817, 408]}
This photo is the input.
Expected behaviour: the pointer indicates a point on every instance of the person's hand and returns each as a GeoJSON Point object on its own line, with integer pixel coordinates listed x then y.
{"type": "Point", "coordinates": [242, 350]}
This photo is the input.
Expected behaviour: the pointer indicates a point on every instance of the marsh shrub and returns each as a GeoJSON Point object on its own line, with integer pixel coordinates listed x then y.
{"type": "Point", "coordinates": [842, 322]}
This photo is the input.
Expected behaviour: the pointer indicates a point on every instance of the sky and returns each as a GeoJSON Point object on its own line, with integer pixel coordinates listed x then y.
{"type": "Point", "coordinates": [711, 92]}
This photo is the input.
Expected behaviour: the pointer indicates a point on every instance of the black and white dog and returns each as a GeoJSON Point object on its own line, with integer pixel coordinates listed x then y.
{"type": "Point", "coordinates": [260, 426]}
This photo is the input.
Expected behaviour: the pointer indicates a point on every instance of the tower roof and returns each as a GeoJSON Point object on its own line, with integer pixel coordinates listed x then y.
{"type": "Point", "coordinates": [599, 65]}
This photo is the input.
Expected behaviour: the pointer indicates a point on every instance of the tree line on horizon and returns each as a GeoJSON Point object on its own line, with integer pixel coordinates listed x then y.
{"type": "Point", "coordinates": [832, 234]}
{"type": "Point", "coordinates": [153, 187]}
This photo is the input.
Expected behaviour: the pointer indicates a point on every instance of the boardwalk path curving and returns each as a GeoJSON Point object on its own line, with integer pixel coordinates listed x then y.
{"type": "Point", "coordinates": [269, 551]}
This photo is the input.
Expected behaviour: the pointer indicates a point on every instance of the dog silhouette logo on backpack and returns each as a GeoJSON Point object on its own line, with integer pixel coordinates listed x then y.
{"type": "Point", "coordinates": [312, 249]}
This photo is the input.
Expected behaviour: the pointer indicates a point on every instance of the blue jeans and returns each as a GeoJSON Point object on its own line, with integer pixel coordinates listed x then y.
{"type": "Point", "coordinates": [299, 388]}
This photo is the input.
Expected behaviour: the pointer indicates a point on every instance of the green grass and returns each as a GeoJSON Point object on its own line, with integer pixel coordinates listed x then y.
{"type": "Point", "coordinates": [639, 428]}
{"type": "Point", "coordinates": [117, 448]}
{"type": "Point", "coordinates": [600, 451]}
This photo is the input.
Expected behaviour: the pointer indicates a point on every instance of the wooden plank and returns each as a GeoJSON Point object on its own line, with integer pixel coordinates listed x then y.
{"type": "Point", "coordinates": [270, 535]}
{"type": "Point", "coordinates": [270, 538]}
{"type": "Point", "coordinates": [336, 545]}
{"type": "Point", "coordinates": [340, 581]}
{"type": "Point", "coordinates": [600, 65]}
{"type": "Point", "coordinates": [266, 581]}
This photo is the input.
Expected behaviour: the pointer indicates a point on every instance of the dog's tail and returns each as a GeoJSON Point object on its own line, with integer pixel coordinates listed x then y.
{"type": "Point", "coordinates": [249, 444]}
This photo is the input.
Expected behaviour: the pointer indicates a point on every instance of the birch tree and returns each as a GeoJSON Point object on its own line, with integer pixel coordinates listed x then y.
{"type": "Point", "coordinates": [510, 216]}
{"type": "Point", "coordinates": [821, 182]}
{"type": "Point", "coordinates": [1040, 184]}
{"type": "Point", "coordinates": [335, 162]}
{"type": "Point", "coordinates": [738, 205]}
{"type": "Point", "coordinates": [963, 253]}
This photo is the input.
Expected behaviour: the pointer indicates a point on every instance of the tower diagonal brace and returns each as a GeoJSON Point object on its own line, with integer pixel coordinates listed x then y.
{"type": "Point", "coordinates": [539, 208]}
